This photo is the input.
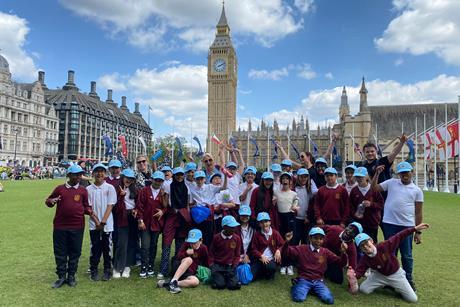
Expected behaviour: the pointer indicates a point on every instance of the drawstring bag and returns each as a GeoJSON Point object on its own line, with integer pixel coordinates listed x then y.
{"type": "Point", "coordinates": [203, 274]}
{"type": "Point", "coordinates": [200, 213]}
{"type": "Point", "coordinates": [244, 273]}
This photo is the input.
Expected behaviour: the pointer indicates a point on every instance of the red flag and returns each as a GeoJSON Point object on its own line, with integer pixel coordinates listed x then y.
{"type": "Point", "coordinates": [124, 148]}
{"type": "Point", "coordinates": [215, 140]}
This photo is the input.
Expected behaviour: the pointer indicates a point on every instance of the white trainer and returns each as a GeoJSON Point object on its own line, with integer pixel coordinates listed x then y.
{"type": "Point", "coordinates": [290, 270]}
{"type": "Point", "coordinates": [116, 274]}
{"type": "Point", "coordinates": [126, 272]}
{"type": "Point", "coordinates": [283, 270]}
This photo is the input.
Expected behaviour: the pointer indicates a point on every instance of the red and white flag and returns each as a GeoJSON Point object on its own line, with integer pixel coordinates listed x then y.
{"type": "Point", "coordinates": [124, 148]}
{"type": "Point", "coordinates": [215, 140]}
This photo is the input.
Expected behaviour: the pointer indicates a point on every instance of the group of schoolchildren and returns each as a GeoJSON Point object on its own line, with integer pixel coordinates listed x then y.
{"type": "Point", "coordinates": [227, 229]}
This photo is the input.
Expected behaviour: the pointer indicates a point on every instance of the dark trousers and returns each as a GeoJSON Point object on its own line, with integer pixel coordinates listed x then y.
{"type": "Point", "coordinates": [300, 232]}
{"type": "Point", "coordinates": [149, 240]}
{"type": "Point", "coordinates": [101, 244]}
{"type": "Point", "coordinates": [263, 271]}
{"type": "Point", "coordinates": [224, 276]}
{"type": "Point", "coordinates": [372, 232]}
{"type": "Point", "coordinates": [126, 243]}
{"type": "Point", "coordinates": [287, 222]}
{"type": "Point", "coordinates": [207, 229]}
{"type": "Point", "coordinates": [67, 250]}
{"type": "Point", "coordinates": [334, 273]}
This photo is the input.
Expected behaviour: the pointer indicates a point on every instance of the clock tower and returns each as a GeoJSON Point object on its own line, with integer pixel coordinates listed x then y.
{"type": "Point", "coordinates": [222, 81]}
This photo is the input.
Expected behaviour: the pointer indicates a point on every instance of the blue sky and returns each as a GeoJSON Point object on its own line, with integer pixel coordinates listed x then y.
{"type": "Point", "coordinates": [294, 56]}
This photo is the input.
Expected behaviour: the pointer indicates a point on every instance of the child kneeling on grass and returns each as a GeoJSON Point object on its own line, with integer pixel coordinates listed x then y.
{"type": "Point", "coordinates": [312, 261]}
{"type": "Point", "coordinates": [224, 256]}
{"type": "Point", "coordinates": [192, 254]}
{"type": "Point", "coordinates": [385, 269]}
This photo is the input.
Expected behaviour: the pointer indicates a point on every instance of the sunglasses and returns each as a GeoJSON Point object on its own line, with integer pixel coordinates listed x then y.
{"type": "Point", "coordinates": [143, 161]}
{"type": "Point", "coordinates": [206, 161]}
{"type": "Point", "coordinates": [158, 180]}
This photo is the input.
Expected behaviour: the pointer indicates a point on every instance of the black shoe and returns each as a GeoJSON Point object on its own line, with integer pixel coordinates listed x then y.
{"type": "Point", "coordinates": [412, 284]}
{"type": "Point", "coordinates": [143, 273]}
{"type": "Point", "coordinates": [150, 271]}
{"type": "Point", "coordinates": [71, 281]}
{"type": "Point", "coordinates": [174, 287]}
{"type": "Point", "coordinates": [163, 283]}
{"type": "Point", "coordinates": [58, 283]}
{"type": "Point", "coordinates": [94, 275]}
{"type": "Point", "coordinates": [107, 276]}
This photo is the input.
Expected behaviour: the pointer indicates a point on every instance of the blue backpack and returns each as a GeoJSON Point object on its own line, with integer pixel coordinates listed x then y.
{"type": "Point", "coordinates": [200, 214]}
{"type": "Point", "coordinates": [244, 273]}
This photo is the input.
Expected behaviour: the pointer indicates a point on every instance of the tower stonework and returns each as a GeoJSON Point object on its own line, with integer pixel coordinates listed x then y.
{"type": "Point", "coordinates": [222, 83]}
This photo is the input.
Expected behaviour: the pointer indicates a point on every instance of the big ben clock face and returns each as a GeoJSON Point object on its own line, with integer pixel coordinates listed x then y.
{"type": "Point", "coordinates": [219, 65]}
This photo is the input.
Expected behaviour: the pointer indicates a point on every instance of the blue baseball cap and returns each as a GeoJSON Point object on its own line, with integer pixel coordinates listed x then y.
{"type": "Point", "coordinates": [286, 174]}
{"type": "Point", "coordinates": [302, 171]}
{"type": "Point", "coordinates": [263, 216]}
{"type": "Point", "coordinates": [114, 163]}
{"type": "Point", "coordinates": [178, 170]}
{"type": "Point", "coordinates": [350, 166]}
{"type": "Point", "coordinates": [231, 164]}
{"type": "Point", "coordinates": [316, 231]}
{"type": "Point", "coordinates": [158, 175]}
{"type": "Point", "coordinates": [360, 172]}
{"type": "Point", "coordinates": [99, 165]}
{"type": "Point", "coordinates": [403, 167]}
{"type": "Point", "coordinates": [250, 169]}
{"type": "Point", "coordinates": [229, 221]}
{"type": "Point", "coordinates": [244, 210]}
{"type": "Point", "coordinates": [320, 160]}
{"type": "Point", "coordinates": [214, 175]}
{"type": "Point", "coordinates": [358, 226]}
{"type": "Point", "coordinates": [166, 168]}
{"type": "Point", "coordinates": [330, 170]}
{"type": "Point", "coordinates": [191, 166]}
{"type": "Point", "coordinates": [267, 175]}
{"type": "Point", "coordinates": [362, 237]}
{"type": "Point", "coordinates": [75, 169]}
{"type": "Point", "coordinates": [286, 162]}
{"type": "Point", "coordinates": [199, 174]}
{"type": "Point", "coordinates": [128, 173]}
{"type": "Point", "coordinates": [275, 167]}
{"type": "Point", "coordinates": [194, 235]}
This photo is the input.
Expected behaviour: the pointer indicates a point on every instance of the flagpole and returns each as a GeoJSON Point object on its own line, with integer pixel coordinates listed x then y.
{"type": "Point", "coordinates": [435, 181]}
{"type": "Point", "coordinates": [416, 159]}
{"type": "Point", "coordinates": [425, 188]}
{"type": "Point", "coordinates": [446, 188]}
{"type": "Point", "coordinates": [330, 140]}
{"type": "Point", "coordinates": [458, 151]}
{"type": "Point", "coordinates": [402, 149]}
{"type": "Point", "coordinates": [353, 141]}
{"type": "Point", "coordinates": [288, 144]}
{"type": "Point", "coordinates": [309, 140]}
{"type": "Point", "coordinates": [268, 147]}
{"type": "Point", "coordinates": [247, 149]}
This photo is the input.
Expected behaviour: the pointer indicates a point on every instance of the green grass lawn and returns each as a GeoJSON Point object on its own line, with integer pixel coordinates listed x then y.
{"type": "Point", "coordinates": [27, 264]}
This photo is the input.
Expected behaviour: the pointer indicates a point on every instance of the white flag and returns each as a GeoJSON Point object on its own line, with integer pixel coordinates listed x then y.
{"type": "Point", "coordinates": [141, 139]}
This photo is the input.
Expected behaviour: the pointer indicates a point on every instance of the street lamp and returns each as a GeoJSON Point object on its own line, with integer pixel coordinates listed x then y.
{"type": "Point", "coordinates": [15, 131]}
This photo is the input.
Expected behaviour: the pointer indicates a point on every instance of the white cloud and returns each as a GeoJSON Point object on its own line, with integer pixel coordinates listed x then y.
{"type": "Point", "coordinates": [329, 76]}
{"type": "Point", "coordinates": [274, 75]}
{"type": "Point", "coordinates": [243, 92]}
{"type": "Point", "coordinates": [305, 71]}
{"type": "Point", "coordinates": [146, 22]}
{"type": "Point", "coordinates": [423, 27]}
{"type": "Point", "coordinates": [13, 34]}
{"type": "Point", "coordinates": [112, 81]}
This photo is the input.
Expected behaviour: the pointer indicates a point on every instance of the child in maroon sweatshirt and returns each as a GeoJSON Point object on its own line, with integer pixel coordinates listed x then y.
{"type": "Point", "coordinates": [191, 254]}
{"type": "Point", "coordinates": [331, 201]}
{"type": "Point", "coordinates": [224, 256]}
{"type": "Point", "coordinates": [69, 223]}
{"type": "Point", "coordinates": [312, 261]}
{"type": "Point", "coordinates": [265, 249]}
{"type": "Point", "coordinates": [385, 269]}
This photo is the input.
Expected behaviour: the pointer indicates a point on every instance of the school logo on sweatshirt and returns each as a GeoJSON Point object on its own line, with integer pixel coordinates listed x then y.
{"type": "Point", "coordinates": [76, 197]}
{"type": "Point", "coordinates": [273, 243]}
{"type": "Point", "coordinates": [321, 259]}
{"type": "Point", "coordinates": [337, 195]}
{"type": "Point", "coordinates": [233, 245]}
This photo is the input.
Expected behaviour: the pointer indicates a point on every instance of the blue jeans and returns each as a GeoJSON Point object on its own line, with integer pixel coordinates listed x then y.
{"type": "Point", "coordinates": [300, 290]}
{"type": "Point", "coordinates": [405, 247]}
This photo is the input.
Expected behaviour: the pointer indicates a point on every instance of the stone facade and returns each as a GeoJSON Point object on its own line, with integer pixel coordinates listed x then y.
{"type": "Point", "coordinates": [29, 126]}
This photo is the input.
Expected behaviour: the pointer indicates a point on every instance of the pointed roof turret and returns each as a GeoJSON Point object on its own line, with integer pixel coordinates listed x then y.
{"type": "Point", "coordinates": [223, 18]}
{"type": "Point", "coordinates": [363, 89]}
{"type": "Point", "coordinates": [222, 39]}
{"type": "Point", "coordinates": [363, 97]}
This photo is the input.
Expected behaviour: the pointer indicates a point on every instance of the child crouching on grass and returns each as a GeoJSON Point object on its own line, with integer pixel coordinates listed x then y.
{"type": "Point", "coordinates": [385, 269]}
{"type": "Point", "coordinates": [69, 224]}
{"type": "Point", "coordinates": [192, 254]}
{"type": "Point", "coordinates": [312, 261]}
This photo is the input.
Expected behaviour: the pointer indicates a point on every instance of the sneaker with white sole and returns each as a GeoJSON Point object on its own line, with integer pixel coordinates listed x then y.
{"type": "Point", "coordinates": [126, 272]}
{"type": "Point", "coordinates": [116, 274]}
{"type": "Point", "coordinates": [143, 272]}
{"type": "Point", "coordinates": [160, 276]}
{"type": "Point", "coordinates": [290, 270]}
{"type": "Point", "coordinates": [283, 270]}
{"type": "Point", "coordinates": [174, 287]}
{"type": "Point", "coordinates": [150, 271]}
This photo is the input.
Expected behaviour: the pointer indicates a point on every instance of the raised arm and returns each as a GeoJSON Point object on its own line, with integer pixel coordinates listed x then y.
{"type": "Point", "coordinates": [374, 182]}
{"type": "Point", "coordinates": [330, 147]}
{"type": "Point", "coordinates": [286, 156]}
{"type": "Point", "coordinates": [239, 160]}
{"type": "Point", "coordinates": [392, 156]}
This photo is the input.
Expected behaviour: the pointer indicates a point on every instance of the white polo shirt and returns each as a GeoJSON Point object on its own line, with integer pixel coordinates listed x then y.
{"type": "Point", "coordinates": [205, 194]}
{"type": "Point", "coordinates": [399, 206]}
{"type": "Point", "coordinates": [99, 197]}
{"type": "Point", "coordinates": [243, 188]}
{"type": "Point", "coordinates": [233, 185]}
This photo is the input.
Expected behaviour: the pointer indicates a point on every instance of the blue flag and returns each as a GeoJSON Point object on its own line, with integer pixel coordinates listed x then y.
{"type": "Point", "coordinates": [179, 145]}
{"type": "Point", "coordinates": [411, 156]}
{"type": "Point", "coordinates": [157, 155]}
{"type": "Point", "coordinates": [335, 156]}
{"type": "Point", "coordinates": [200, 150]}
{"type": "Point", "coordinates": [315, 148]}
{"type": "Point", "coordinates": [233, 142]}
{"type": "Point", "coordinates": [108, 146]}
{"type": "Point", "coordinates": [256, 153]}
{"type": "Point", "coordinates": [296, 150]}
{"type": "Point", "coordinates": [275, 148]}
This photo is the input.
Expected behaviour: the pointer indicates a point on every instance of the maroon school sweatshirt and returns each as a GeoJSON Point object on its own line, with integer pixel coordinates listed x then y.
{"type": "Point", "coordinates": [373, 213]}
{"type": "Point", "coordinates": [385, 262]}
{"type": "Point", "coordinates": [199, 257]}
{"type": "Point", "coordinates": [72, 207]}
{"type": "Point", "coordinates": [331, 205]}
{"type": "Point", "coordinates": [259, 243]}
{"type": "Point", "coordinates": [333, 243]}
{"type": "Point", "coordinates": [225, 251]}
{"type": "Point", "coordinates": [147, 206]}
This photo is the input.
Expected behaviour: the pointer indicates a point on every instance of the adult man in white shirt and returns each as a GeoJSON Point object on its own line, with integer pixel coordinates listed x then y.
{"type": "Point", "coordinates": [402, 209]}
